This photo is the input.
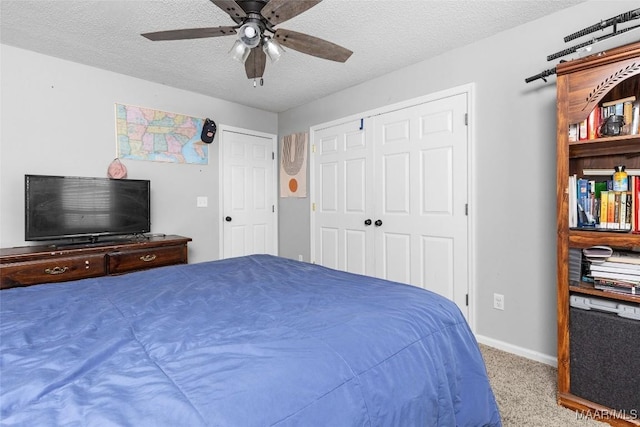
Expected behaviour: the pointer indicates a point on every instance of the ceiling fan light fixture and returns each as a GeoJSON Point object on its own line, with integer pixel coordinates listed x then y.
{"type": "Point", "coordinates": [250, 34]}
{"type": "Point", "coordinates": [272, 48]}
{"type": "Point", "coordinates": [239, 51]}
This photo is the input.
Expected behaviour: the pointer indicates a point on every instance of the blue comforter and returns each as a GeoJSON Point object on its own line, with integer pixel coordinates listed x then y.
{"type": "Point", "coordinates": [249, 341]}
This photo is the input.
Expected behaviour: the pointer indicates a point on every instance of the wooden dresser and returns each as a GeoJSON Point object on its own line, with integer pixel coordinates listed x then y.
{"type": "Point", "coordinates": [32, 265]}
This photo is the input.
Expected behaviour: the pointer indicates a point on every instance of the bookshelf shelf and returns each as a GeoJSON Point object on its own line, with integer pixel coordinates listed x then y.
{"type": "Point", "coordinates": [582, 86]}
{"type": "Point", "coordinates": [585, 238]}
{"type": "Point", "coordinates": [588, 289]}
{"type": "Point", "coordinates": [624, 144]}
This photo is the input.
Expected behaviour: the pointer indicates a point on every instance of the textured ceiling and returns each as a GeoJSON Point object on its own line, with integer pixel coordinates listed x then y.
{"type": "Point", "coordinates": [384, 36]}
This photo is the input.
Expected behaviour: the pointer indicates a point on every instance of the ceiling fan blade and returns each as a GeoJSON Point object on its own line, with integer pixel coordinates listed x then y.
{"type": "Point", "coordinates": [277, 11]}
{"type": "Point", "coordinates": [255, 63]}
{"type": "Point", "coordinates": [312, 45]}
{"type": "Point", "coordinates": [232, 8]}
{"type": "Point", "coordinates": [190, 33]}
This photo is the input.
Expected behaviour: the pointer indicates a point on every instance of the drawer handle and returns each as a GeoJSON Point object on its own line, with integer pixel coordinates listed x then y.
{"type": "Point", "coordinates": [56, 270]}
{"type": "Point", "coordinates": [147, 258]}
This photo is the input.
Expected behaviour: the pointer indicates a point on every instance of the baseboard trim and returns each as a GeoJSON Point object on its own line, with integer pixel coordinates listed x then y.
{"type": "Point", "coordinates": [519, 351]}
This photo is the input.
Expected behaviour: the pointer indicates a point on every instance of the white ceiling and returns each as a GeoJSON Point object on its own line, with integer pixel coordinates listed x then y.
{"type": "Point", "coordinates": [384, 35]}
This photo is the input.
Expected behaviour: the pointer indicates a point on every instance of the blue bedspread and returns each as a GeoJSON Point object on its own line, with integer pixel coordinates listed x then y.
{"type": "Point", "coordinates": [249, 341]}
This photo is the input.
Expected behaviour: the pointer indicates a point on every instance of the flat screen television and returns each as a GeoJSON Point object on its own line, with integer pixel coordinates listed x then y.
{"type": "Point", "coordinates": [68, 207]}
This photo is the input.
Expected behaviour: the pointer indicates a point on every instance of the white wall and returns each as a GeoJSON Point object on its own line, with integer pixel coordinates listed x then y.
{"type": "Point", "coordinates": [515, 166]}
{"type": "Point", "coordinates": [57, 117]}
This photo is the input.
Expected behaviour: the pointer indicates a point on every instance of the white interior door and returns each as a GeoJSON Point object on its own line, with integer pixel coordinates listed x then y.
{"type": "Point", "coordinates": [421, 184]}
{"type": "Point", "coordinates": [343, 200]}
{"type": "Point", "coordinates": [406, 170]}
{"type": "Point", "coordinates": [248, 208]}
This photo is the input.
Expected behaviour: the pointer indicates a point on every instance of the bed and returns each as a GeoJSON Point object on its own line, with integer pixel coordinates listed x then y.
{"type": "Point", "coordinates": [249, 341]}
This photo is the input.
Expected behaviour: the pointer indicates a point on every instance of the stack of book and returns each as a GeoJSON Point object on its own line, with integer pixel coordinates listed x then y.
{"type": "Point", "coordinates": [618, 273]}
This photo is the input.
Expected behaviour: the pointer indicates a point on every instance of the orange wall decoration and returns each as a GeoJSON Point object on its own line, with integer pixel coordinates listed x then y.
{"type": "Point", "coordinates": [293, 165]}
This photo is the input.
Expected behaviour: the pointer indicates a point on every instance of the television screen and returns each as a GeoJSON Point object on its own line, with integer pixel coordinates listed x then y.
{"type": "Point", "coordinates": [60, 207]}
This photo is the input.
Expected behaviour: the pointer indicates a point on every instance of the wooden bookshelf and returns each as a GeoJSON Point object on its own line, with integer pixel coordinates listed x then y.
{"type": "Point", "coordinates": [583, 85]}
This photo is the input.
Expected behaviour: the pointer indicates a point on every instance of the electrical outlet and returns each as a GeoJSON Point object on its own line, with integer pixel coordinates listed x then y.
{"type": "Point", "coordinates": [498, 301]}
{"type": "Point", "coordinates": [300, 257]}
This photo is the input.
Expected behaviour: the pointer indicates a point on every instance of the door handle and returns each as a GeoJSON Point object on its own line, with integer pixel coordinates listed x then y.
{"type": "Point", "coordinates": [227, 218]}
{"type": "Point", "coordinates": [367, 221]}
{"type": "Point", "coordinates": [378, 222]}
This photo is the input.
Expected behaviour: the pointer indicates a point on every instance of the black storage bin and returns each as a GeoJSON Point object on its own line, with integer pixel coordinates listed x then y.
{"type": "Point", "coordinates": [605, 359]}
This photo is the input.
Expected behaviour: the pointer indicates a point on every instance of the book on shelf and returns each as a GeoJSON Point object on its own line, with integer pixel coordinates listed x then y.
{"type": "Point", "coordinates": [574, 131]}
{"type": "Point", "coordinates": [586, 217]}
{"type": "Point", "coordinates": [615, 267]}
{"type": "Point", "coordinates": [614, 222]}
{"type": "Point", "coordinates": [635, 204]}
{"type": "Point", "coordinates": [617, 286]}
{"type": "Point", "coordinates": [635, 119]}
{"type": "Point", "coordinates": [604, 209]}
{"type": "Point", "coordinates": [583, 132]}
{"type": "Point", "coordinates": [623, 277]}
{"type": "Point", "coordinates": [593, 123]}
{"type": "Point", "coordinates": [625, 257]}
{"type": "Point", "coordinates": [573, 201]}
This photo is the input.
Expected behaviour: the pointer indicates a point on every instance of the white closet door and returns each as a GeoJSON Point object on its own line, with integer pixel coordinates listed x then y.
{"type": "Point", "coordinates": [343, 198]}
{"type": "Point", "coordinates": [421, 189]}
{"type": "Point", "coordinates": [405, 170]}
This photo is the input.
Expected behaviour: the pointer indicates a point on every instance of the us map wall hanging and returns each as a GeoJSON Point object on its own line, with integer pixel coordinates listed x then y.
{"type": "Point", "coordinates": [159, 136]}
{"type": "Point", "coordinates": [293, 165]}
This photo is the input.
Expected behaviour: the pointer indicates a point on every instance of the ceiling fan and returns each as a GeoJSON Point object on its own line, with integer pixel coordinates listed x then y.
{"type": "Point", "coordinates": [255, 21]}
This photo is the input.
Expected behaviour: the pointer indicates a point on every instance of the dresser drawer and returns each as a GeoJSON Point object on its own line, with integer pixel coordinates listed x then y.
{"type": "Point", "coordinates": [59, 269]}
{"type": "Point", "coordinates": [125, 261]}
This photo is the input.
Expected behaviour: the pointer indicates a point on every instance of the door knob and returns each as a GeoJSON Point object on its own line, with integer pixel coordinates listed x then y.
{"type": "Point", "coordinates": [378, 222]}
{"type": "Point", "coordinates": [367, 221]}
{"type": "Point", "coordinates": [228, 219]}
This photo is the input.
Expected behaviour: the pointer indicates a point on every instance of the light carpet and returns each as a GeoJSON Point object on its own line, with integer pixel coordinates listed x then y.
{"type": "Point", "coordinates": [526, 392]}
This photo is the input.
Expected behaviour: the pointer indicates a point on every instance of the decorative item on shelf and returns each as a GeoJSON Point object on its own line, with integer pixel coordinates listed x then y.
{"type": "Point", "coordinates": [620, 179]}
{"type": "Point", "coordinates": [612, 125]}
